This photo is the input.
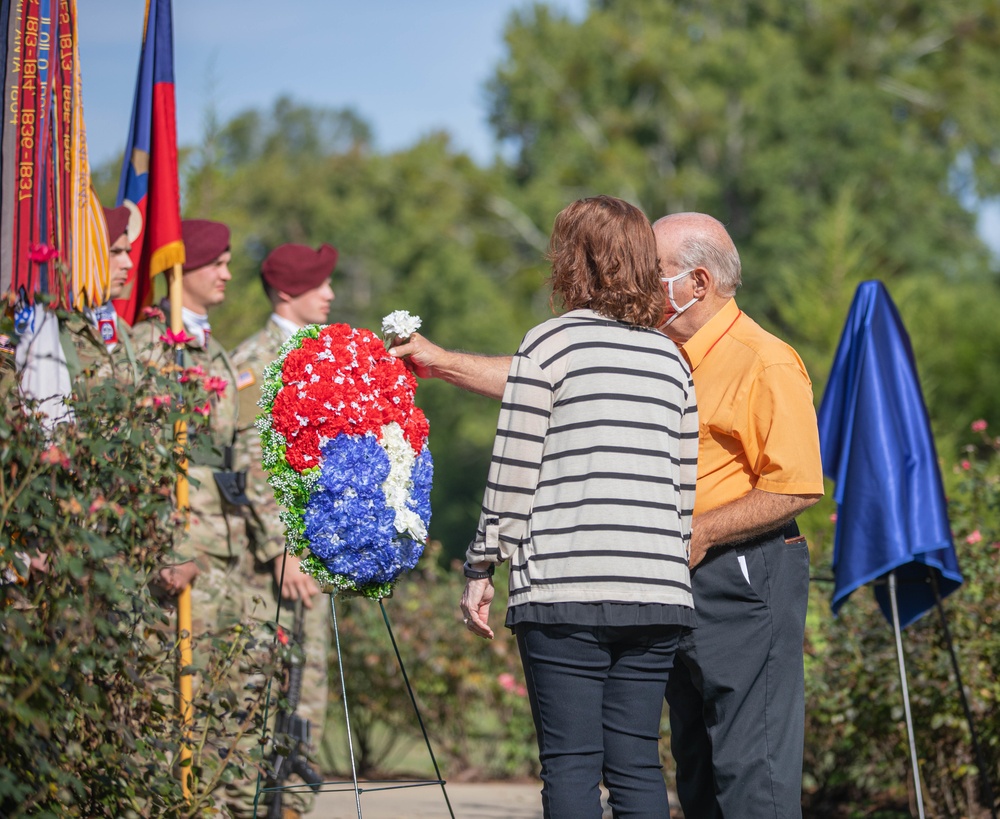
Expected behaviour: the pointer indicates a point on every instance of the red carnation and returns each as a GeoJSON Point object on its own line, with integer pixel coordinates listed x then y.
{"type": "Point", "coordinates": [343, 381]}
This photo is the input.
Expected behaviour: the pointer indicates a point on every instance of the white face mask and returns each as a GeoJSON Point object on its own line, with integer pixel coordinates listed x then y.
{"type": "Point", "coordinates": [670, 295]}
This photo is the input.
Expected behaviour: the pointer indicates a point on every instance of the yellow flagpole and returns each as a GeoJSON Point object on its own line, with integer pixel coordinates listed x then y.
{"type": "Point", "coordinates": [184, 627]}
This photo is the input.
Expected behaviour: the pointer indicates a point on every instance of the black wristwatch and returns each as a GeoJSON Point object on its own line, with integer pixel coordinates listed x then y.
{"type": "Point", "coordinates": [477, 574]}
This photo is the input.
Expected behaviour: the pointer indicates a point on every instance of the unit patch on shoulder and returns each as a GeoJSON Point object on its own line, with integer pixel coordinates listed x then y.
{"type": "Point", "coordinates": [245, 379]}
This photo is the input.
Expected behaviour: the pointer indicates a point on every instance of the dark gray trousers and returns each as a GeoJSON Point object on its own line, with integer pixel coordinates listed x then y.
{"type": "Point", "coordinates": [737, 692]}
{"type": "Point", "coordinates": [596, 695]}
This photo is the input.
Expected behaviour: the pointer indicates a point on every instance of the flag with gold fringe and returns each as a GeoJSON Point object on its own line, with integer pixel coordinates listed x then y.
{"type": "Point", "coordinates": [53, 241]}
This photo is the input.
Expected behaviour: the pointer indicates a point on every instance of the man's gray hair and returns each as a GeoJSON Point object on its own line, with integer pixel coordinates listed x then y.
{"type": "Point", "coordinates": [722, 260]}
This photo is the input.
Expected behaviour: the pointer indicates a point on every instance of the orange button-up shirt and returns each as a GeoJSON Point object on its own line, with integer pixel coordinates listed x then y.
{"type": "Point", "coordinates": [755, 406]}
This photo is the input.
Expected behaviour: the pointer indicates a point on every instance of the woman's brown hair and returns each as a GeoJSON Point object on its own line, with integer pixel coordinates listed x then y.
{"type": "Point", "coordinates": [603, 256]}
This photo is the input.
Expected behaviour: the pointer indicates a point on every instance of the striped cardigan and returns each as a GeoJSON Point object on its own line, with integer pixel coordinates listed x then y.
{"type": "Point", "coordinates": [591, 485]}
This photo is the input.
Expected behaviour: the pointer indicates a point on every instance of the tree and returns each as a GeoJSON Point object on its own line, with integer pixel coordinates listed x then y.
{"type": "Point", "coordinates": [835, 140]}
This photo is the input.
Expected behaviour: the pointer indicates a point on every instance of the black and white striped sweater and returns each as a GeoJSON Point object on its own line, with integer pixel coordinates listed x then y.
{"type": "Point", "coordinates": [591, 485]}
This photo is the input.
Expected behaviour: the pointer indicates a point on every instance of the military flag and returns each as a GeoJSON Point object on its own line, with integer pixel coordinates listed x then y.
{"type": "Point", "coordinates": [149, 185]}
{"type": "Point", "coordinates": [52, 236]}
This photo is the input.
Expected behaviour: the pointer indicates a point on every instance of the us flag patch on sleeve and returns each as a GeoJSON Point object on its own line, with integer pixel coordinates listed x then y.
{"type": "Point", "coordinates": [245, 379]}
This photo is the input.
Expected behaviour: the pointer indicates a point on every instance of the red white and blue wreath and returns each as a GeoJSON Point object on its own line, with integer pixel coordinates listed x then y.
{"type": "Point", "coordinates": [346, 449]}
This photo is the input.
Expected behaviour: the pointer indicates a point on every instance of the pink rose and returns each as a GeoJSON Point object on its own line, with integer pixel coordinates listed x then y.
{"type": "Point", "coordinates": [190, 373]}
{"type": "Point", "coordinates": [215, 384]}
{"type": "Point", "coordinates": [42, 253]}
{"type": "Point", "coordinates": [173, 339]}
{"type": "Point", "coordinates": [979, 426]}
{"type": "Point", "coordinates": [54, 456]}
{"type": "Point", "coordinates": [974, 537]}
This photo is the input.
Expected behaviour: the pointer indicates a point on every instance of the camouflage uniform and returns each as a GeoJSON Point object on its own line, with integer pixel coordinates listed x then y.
{"type": "Point", "coordinates": [88, 358]}
{"type": "Point", "coordinates": [249, 359]}
{"type": "Point", "coordinates": [90, 364]}
{"type": "Point", "coordinates": [217, 535]}
{"type": "Point", "coordinates": [89, 361]}
{"type": "Point", "coordinates": [219, 532]}
{"type": "Point", "coordinates": [7, 364]}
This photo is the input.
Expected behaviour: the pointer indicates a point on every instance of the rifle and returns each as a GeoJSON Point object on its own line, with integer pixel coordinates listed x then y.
{"type": "Point", "coordinates": [291, 732]}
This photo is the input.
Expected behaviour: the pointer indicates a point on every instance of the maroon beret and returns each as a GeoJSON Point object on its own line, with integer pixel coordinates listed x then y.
{"type": "Point", "coordinates": [117, 222]}
{"type": "Point", "coordinates": [204, 242]}
{"type": "Point", "coordinates": [294, 269]}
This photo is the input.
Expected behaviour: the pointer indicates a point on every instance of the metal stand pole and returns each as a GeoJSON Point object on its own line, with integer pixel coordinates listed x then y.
{"type": "Point", "coordinates": [374, 785]}
{"type": "Point", "coordinates": [347, 716]}
{"type": "Point", "coordinates": [906, 695]}
{"type": "Point", "coordinates": [413, 699]}
{"type": "Point", "coordinates": [984, 771]}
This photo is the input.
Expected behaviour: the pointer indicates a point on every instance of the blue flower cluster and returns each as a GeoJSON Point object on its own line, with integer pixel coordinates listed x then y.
{"type": "Point", "coordinates": [348, 523]}
{"type": "Point", "coordinates": [423, 476]}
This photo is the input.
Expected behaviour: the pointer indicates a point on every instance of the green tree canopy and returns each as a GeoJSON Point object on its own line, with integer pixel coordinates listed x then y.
{"type": "Point", "coordinates": [836, 140]}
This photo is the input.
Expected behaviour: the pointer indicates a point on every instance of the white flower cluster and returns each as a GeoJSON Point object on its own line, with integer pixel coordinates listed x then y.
{"type": "Point", "coordinates": [400, 323]}
{"type": "Point", "coordinates": [398, 485]}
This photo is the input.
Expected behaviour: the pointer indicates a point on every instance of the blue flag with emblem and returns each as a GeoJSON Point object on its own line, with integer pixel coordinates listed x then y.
{"type": "Point", "coordinates": [877, 447]}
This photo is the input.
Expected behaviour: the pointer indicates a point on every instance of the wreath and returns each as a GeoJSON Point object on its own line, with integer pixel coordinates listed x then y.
{"type": "Point", "coordinates": [346, 452]}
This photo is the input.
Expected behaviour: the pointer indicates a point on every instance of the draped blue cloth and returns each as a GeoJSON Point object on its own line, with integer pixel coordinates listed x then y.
{"type": "Point", "coordinates": [877, 447]}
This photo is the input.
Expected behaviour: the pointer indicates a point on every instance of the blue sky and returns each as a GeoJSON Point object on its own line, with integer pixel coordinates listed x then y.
{"type": "Point", "coordinates": [407, 67]}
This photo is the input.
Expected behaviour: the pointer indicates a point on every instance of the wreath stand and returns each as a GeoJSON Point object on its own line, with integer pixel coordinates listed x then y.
{"type": "Point", "coordinates": [369, 785]}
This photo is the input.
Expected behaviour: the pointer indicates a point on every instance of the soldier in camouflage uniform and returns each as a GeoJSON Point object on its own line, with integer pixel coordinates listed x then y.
{"type": "Point", "coordinates": [296, 279]}
{"type": "Point", "coordinates": [215, 544]}
{"type": "Point", "coordinates": [97, 343]}
{"type": "Point", "coordinates": [222, 525]}
{"type": "Point", "coordinates": [94, 345]}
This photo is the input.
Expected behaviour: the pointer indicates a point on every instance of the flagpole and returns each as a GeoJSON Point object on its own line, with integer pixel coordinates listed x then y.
{"type": "Point", "coordinates": [184, 626]}
{"type": "Point", "coordinates": [906, 694]}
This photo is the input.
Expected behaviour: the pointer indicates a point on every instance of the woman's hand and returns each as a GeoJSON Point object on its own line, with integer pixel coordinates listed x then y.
{"type": "Point", "coordinates": [475, 606]}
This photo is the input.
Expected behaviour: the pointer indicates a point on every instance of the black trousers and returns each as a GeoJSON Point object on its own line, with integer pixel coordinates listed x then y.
{"type": "Point", "coordinates": [596, 697]}
{"type": "Point", "coordinates": [737, 692]}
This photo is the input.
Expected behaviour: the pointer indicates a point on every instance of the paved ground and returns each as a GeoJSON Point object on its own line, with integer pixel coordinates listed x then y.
{"type": "Point", "coordinates": [468, 801]}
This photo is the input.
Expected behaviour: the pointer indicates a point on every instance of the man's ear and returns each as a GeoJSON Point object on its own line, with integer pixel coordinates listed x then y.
{"type": "Point", "coordinates": [283, 296]}
{"type": "Point", "coordinates": [701, 279]}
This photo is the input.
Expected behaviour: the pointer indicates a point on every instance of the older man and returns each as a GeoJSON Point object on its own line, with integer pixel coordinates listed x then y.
{"type": "Point", "coordinates": [736, 694]}
{"type": "Point", "coordinates": [296, 280]}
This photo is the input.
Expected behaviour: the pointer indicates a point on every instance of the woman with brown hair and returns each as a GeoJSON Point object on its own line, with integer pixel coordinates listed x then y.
{"type": "Point", "coordinates": [589, 497]}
